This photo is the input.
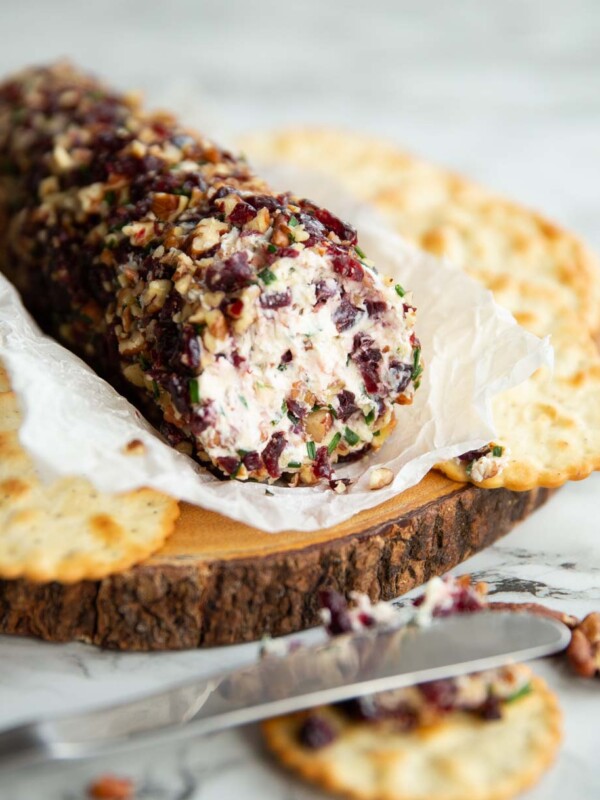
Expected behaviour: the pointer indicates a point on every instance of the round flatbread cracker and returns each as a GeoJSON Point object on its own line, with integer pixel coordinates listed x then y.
{"type": "Point", "coordinates": [542, 274]}
{"type": "Point", "coordinates": [66, 530]}
{"type": "Point", "coordinates": [445, 213]}
{"type": "Point", "coordinates": [462, 757]}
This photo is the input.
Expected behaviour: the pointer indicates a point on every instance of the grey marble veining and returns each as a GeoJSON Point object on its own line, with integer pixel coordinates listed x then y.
{"type": "Point", "coordinates": [508, 93]}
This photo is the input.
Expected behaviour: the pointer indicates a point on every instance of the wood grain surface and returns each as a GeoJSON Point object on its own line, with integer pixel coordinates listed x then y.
{"type": "Point", "coordinates": [220, 582]}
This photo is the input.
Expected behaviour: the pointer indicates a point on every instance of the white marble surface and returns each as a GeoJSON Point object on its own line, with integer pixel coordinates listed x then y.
{"type": "Point", "coordinates": [506, 92]}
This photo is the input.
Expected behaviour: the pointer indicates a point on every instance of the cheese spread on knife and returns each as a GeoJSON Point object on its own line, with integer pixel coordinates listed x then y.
{"type": "Point", "coordinates": [248, 325]}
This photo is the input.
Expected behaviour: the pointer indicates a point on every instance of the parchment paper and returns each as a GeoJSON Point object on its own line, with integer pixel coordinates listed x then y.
{"type": "Point", "coordinates": [75, 423]}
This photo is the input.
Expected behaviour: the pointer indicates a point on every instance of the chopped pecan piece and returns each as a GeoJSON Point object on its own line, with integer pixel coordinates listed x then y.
{"type": "Point", "coordinates": [583, 652]}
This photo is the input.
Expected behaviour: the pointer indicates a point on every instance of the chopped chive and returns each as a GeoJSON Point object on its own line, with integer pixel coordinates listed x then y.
{"type": "Point", "coordinates": [268, 493]}
{"type": "Point", "coordinates": [369, 419]}
{"type": "Point", "coordinates": [242, 453]}
{"type": "Point", "coordinates": [294, 464]}
{"type": "Point", "coordinates": [469, 468]}
{"type": "Point", "coordinates": [199, 327]}
{"type": "Point", "coordinates": [282, 367]}
{"type": "Point", "coordinates": [332, 411]}
{"type": "Point", "coordinates": [271, 248]}
{"type": "Point", "coordinates": [351, 437]}
{"type": "Point", "coordinates": [311, 449]}
{"type": "Point", "coordinates": [399, 290]}
{"type": "Point", "coordinates": [524, 690]}
{"type": "Point", "coordinates": [376, 433]}
{"type": "Point", "coordinates": [334, 443]}
{"type": "Point", "coordinates": [316, 407]}
{"type": "Point", "coordinates": [194, 391]}
{"type": "Point", "coordinates": [417, 368]}
{"type": "Point", "coordinates": [497, 451]}
{"type": "Point", "coordinates": [360, 253]}
{"type": "Point", "coordinates": [144, 363]}
{"type": "Point", "coordinates": [293, 223]}
{"type": "Point", "coordinates": [155, 389]}
{"type": "Point", "coordinates": [243, 400]}
{"type": "Point", "coordinates": [284, 407]}
{"type": "Point", "coordinates": [110, 197]}
{"type": "Point", "coordinates": [267, 276]}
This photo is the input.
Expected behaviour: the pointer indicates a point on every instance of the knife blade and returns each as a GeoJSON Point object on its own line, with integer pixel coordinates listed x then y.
{"type": "Point", "coordinates": [342, 668]}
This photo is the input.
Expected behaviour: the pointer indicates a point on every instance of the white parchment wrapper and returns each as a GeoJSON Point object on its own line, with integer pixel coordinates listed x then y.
{"type": "Point", "coordinates": [76, 424]}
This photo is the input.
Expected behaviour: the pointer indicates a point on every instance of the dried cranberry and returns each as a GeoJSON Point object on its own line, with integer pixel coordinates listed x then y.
{"type": "Point", "coordinates": [345, 232]}
{"type": "Point", "coordinates": [345, 315]}
{"type": "Point", "coordinates": [272, 452]}
{"type": "Point", "coordinates": [491, 708]}
{"type": "Point", "coordinates": [371, 708]}
{"type": "Point", "coordinates": [346, 404]}
{"type": "Point", "coordinates": [297, 409]}
{"type": "Point", "coordinates": [400, 373]}
{"type": "Point", "coordinates": [322, 464]}
{"type": "Point", "coordinates": [442, 694]}
{"type": "Point", "coordinates": [473, 455]}
{"type": "Point", "coordinates": [234, 308]}
{"type": "Point", "coordinates": [252, 461]}
{"type": "Point", "coordinates": [172, 434]}
{"type": "Point", "coordinates": [276, 299]}
{"type": "Point", "coordinates": [287, 252]}
{"type": "Point", "coordinates": [286, 357]}
{"type": "Point", "coordinates": [313, 227]}
{"type": "Point", "coordinates": [348, 267]}
{"type": "Point", "coordinates": [323, 291]}
{"type": "Point", "coordinates": [367, 359]}
{"type": "Point", "coordinates": [315, 732]}
{"type": "Point", "coordinates": [242, 213]}
{"type": "Point", "coordinates": [236, 359]}
{"type": "Point", "coordinates": [263, 201]}
{"type": "Point", "coordinates": [281, 252]}
{"type": "Point", "coordinates": [340, 620]}
{"type": "Point", "coordinates": [203, 417]}
{"type": "Point", "coordinates": [467, 601]}
{"type": "Point", "coordinates": [230, 275]}
{"type": "Point", "coordinates": [366, 620]}
{"type": "Point", "coordinates": [463, 600]}
{"type": "Point", "coordinates": [375, 308]}
{"type": "Point", "coordinates": [228, 464]}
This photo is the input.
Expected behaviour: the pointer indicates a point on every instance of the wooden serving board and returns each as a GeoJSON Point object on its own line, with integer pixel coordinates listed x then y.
{"type": "Point", "coordinates": [218, 581]}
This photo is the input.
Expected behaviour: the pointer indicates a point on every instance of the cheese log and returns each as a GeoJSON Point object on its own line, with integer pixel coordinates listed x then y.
{"type": "Point", "coordinates": [248, 325]}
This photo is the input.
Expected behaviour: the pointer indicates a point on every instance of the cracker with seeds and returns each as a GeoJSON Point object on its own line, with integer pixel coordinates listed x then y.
{"type": "Point", "coordinates": [548, 427]}
{"type": "Point", "coordinates": [66, 530]}
{"type": "Point", "coordinates": [456, 756]}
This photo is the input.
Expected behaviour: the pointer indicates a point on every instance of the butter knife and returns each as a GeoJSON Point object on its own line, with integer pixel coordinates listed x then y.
{"type": "Point", "coordinates": [343, 667]}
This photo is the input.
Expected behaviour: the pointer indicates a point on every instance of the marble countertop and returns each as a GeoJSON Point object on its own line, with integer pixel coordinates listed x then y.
{"type": "Point", "coordinates": [508, 93]}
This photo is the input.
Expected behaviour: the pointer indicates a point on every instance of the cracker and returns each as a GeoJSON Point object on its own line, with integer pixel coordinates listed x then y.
{"type": "Point", "coordinates": [445, 213]}
{"type": "Point", "coordinates": [543, 275]}
{"type": "Point", "coordinates": [66, 530]}
{"type": "Point", "coordinates": [551, 422]}
{"type": "Point", "coordinates": [461, 757]}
